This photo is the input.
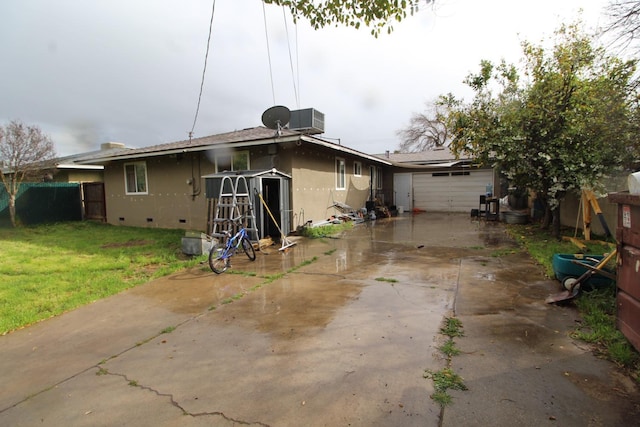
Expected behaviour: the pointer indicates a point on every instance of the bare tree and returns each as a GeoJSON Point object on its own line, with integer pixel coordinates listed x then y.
{"type": "Point", "coordinates": [624, 24]}
{"type": "Point", "coordinates": [25, 152]}
{"type": "Point", "coordinates": [426, 130]}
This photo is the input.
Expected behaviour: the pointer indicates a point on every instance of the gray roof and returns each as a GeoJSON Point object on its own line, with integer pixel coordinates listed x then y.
{"type": "Point", "coordinates": [435, 156]}
{"type": "Point", "coordinates": [243, 138]}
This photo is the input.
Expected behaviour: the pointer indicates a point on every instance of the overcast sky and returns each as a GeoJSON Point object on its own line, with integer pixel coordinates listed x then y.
{"type": "Point", "coordinates": [89, 72]}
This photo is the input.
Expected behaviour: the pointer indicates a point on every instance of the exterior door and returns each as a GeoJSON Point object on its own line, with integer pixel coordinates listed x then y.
{"type": "Point", "coordinates": [271, 195]}
{"type": "Point", "coordinates": [402, 190]}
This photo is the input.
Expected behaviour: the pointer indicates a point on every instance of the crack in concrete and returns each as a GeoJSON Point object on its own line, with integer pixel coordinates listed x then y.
{"type": "Point", "coordinates": [134, 383]}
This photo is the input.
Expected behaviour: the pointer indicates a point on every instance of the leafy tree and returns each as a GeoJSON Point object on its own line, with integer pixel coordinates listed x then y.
{"type": "Point", "coordinates": [564, 124]}
{"type": "Point", "coordinates": [428, 129]}
{"type": "Point", "coordinates": [377, 15]}
{"type": "Point", "coordinates": [24, 153]}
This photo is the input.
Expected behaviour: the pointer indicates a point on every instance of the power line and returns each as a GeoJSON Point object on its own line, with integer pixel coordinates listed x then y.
{"type": "Point", "coordinates": [204, 70]}
{"type": "Point", "coordinates": [266, 34]}
{"type": "Point", "coordinates": [293, 74]}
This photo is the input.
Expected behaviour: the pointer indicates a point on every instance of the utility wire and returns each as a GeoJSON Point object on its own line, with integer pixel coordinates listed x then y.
{"type": "Point", "coordinates": [266, 34]}
{"type": "Point", "coordinates": [293, 74]}
{"type": "Point", "coordinates": [204, 70]}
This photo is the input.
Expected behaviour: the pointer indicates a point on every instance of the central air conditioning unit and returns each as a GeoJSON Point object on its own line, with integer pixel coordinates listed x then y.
{"type": "Point", "coordinates": [308, 120]}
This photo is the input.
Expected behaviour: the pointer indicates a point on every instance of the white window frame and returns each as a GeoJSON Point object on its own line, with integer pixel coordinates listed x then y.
{"type": "Point", "coordinates": [357, 168]}
{"type": "Point", "coordinates": [232, 155]}
{"type": "Point", "coordinates": [341, 174]}
{"type": "Point", "coordinates": [126, 179]}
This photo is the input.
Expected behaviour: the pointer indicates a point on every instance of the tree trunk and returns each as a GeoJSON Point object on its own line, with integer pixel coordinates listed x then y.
{"type": "Point", "coordinates": [12, 209]}
{"type": "Point", "coordinates": [547, 218]}
{"type": "Point", "coordinates": [556, 223]}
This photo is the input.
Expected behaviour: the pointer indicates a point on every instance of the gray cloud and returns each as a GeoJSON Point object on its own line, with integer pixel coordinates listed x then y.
{"type": "Point", "coordinates": [88, 72]}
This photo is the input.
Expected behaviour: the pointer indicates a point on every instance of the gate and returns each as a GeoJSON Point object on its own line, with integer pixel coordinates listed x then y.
{"type": "Point", "coordinates": [94, 202]}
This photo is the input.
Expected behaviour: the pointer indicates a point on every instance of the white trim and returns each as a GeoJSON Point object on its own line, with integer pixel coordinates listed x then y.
{"type": "Point", "coordinates": [146, 180]}
{"type": "Point", "coordinates": [341, 162]}
{"type": "Point", "coordinates": [359, 171]}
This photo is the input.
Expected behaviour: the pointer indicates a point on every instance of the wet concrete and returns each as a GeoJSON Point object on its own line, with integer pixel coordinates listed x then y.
{"type": "Point", "coordinates": [310, 337]}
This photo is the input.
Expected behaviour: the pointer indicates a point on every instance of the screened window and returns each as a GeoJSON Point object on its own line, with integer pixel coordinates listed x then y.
{"type": "Point", "coordinates": [237, 161]}
{"type": "Point", "coordinates": [135, 178]}
{"type": "Point", "coordinates": [357, 169]}
{"type": "Point", "coordinates": [340, 174]}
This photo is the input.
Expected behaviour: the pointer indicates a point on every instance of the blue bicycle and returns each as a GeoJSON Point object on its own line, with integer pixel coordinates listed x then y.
{"type": "Point", "coordinates": [221, 253]}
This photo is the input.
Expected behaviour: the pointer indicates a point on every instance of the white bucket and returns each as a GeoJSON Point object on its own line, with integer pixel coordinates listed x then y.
{"type": "Point", "coordinates": [400, 209]}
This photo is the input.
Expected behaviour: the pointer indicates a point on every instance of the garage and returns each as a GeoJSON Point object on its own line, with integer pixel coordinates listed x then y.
{"type": "Point", "coordinates": [450, 191]}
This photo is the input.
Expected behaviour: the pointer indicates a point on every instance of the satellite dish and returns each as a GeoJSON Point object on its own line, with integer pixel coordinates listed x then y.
{"type": "Point", "coordinates": [276, 117]}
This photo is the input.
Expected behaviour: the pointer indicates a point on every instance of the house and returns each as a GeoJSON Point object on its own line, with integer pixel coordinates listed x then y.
{"type": "Point", "coordinates": [72, 169]}
{"type": "Point", "coordinates": [165, 185]}
{"type": "Point", "coordinates": [437, 181]}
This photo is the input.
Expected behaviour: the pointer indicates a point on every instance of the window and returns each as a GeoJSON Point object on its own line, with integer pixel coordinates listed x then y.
{"type": "Point", "coordinates": [340, 174]}
{"type": "Point", "coordinates": [237, 161]}
{"type": "Point", "coordinates": [376, 177]}
{"type": "Point", "coordinates": [357, 169]}
{"type": "Point", "coordinates": [135, 178]}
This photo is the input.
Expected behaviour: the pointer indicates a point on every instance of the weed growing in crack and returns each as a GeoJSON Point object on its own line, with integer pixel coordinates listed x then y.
{"type": "Point", "coordinates": [102, 371]}
{"type": "Point", "coordinates": [449, 348]}
{"type": "Point", "coordinates": [243, 273]}
{"type": "Point", "coordinates": [386, 279]}
{"type": "Point", "coordinates": [133, 383]}
{"type": "Point", "coordinates": [445, 379]}
{"type": "Point", "coordinates": [452, 327]}
{"type": "Point", "coordinates": [168, 330]}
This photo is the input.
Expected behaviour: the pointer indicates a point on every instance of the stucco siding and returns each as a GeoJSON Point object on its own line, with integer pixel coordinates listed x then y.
{"type": "Point", "coordinates": [314, 185]}
{"type": "Point", "coordinates": [170, 201]}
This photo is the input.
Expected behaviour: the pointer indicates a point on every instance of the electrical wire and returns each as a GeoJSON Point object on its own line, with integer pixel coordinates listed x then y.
{"type": "Point", "coordinates": [293, 74]}
{"type": "Point", "coordinates": [266, 35]}
{"type": "Point", "coordinates": [204, 70]}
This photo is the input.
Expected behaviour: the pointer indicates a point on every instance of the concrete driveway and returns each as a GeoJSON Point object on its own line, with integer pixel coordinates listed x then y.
{"type": "Point", "coordinates": [334, 332]}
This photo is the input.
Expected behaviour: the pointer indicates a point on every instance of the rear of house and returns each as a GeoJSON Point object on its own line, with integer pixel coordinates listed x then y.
{"type": "Point", "coordinates": [164, 186]}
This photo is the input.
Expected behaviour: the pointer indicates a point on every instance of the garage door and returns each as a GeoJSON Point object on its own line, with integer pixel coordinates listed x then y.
{"type": "Point", "coordinates": [456, 191]}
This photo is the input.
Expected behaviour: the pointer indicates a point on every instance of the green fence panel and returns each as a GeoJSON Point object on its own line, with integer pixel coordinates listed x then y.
{"type": "Point", "coordinates": [46, 202]}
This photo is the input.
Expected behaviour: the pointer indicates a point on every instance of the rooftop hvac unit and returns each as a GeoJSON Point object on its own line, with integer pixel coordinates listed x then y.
{"type": "Point", "coordinates": [308, 120]}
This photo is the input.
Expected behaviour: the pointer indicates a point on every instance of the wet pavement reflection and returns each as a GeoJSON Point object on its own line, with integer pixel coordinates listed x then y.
{"type": "Point", "coordinates": [330, 332]}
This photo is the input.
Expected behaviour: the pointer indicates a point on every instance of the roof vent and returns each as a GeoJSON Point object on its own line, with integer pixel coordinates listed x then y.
{"type": "Point", "coordinates": [308, 120]}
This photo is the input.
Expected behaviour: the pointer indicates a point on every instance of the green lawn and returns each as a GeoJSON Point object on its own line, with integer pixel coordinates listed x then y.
{"type": "Point", "coordinates": [49, 269]}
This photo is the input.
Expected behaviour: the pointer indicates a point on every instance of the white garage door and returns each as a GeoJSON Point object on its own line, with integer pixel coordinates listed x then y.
{"type": "Point", "coordinates": [455, 191]}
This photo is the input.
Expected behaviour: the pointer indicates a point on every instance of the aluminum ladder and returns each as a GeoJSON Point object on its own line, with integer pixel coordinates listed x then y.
{"type": "Point", "coordinates": [234, 201]}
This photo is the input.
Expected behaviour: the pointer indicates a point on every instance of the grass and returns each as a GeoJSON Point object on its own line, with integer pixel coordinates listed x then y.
{"type": "Point", "coordinates": [446, 379]}
{"type": "Point", "coordinates": [49, 269]}
{"type": "Point", "coordinates": [541, 245]}
{"type": "Point", "coordinates": [326, 230]}
{"type": "Point", "coordinates": [386, 279]}
{"type": "Point", "coordinates": [597, 307]}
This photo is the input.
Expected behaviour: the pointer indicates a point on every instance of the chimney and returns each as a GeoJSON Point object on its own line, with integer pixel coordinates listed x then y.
{"type": "Point", "coordinates": [386, 154]}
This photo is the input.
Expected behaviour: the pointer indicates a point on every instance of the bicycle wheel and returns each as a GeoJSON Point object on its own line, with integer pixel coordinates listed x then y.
{"type": "Point", "coordinates": [247, 247]}
{"type": "Point", "coordinates": [217, 259]}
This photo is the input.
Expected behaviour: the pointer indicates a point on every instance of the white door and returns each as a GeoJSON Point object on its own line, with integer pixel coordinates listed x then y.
{"type": "Point", "coordinates": [450, 191]}
{"type": "Point", "coordinates": [402, 190]}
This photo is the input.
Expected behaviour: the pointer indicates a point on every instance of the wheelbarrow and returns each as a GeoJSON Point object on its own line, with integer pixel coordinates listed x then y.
{"type": "Point", "coordinates": [572, 284]}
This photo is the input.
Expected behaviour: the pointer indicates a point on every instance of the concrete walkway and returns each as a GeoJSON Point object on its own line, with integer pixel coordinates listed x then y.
{"type": "Point", "coordinates": [334, 332]}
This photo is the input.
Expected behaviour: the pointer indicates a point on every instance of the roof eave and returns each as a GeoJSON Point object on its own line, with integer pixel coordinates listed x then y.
{"type": "Point", "coordinates": [192, 149]}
